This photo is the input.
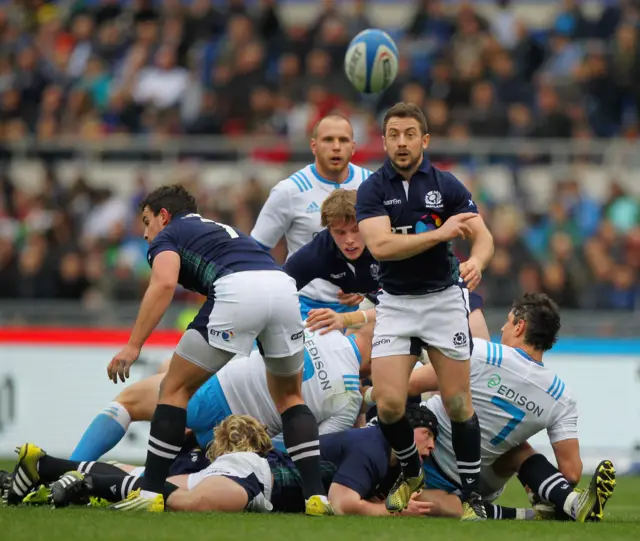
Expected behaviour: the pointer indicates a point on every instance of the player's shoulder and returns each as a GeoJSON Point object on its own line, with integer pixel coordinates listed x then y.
{"type": "Point", "coordinates": [360, 174]}
{"type": "Point", "coordinates": [296, 183]}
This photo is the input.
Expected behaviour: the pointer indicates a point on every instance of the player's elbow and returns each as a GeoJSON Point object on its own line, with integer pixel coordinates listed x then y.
{"type": "Point", "coordinates": [380, 250]}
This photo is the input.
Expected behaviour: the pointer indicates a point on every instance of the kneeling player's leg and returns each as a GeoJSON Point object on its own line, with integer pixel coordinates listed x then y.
{"type": "Point", "coordinates": [135, 403]}
{"type": "Point", "coordinates": [191, 365]}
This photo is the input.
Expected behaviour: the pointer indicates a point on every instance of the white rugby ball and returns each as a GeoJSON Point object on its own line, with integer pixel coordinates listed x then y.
{"type": "Point", "coordinates": [371, 62]}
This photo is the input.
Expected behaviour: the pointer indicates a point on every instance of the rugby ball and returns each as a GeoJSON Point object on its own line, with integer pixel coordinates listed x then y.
{"type": "Point", "coordinates": [371, 62]}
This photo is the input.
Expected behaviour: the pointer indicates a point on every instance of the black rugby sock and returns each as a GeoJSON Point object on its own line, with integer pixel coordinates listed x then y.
{"type": "Point", "coordinates": [545, 480]}
{"type": "Point", "coordinates": [51, 468]}
{"type": "Point", "coordinates": [400, 437]}
{"type": "Point", "coordinates": [466, 438]}
{"type": "Point", "coordinates": [301, 439]}
{"type": "Point", "coordinates": [165, 441]}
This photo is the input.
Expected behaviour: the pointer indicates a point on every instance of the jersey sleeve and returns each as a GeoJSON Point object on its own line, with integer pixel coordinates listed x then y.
{"type": "Point", "coordinates": [370, 201]}
{"type": "Point", "coordinates": [164, 242]}
{"type": "Point", "coordinates": [564, 423]}
{"type": "Point", "coordinates": [360, 471]}
{"type": "Point", "coordinates": [457, 198]}
{"type": "Point", "coordinates": [345, 418]}
{"type": "Point", "coordinates": [303, 266]}
{"type": "Point", "coordinates": [275, 217]}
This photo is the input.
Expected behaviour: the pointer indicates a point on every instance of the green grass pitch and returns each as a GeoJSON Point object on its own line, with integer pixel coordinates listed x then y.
{"type": "Point", "coordinates": [78, 524]}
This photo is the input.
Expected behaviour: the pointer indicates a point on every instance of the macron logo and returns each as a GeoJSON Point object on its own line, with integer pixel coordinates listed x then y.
{"type": "Point", "coordinates": [313, 207]}
{"type": "Point", "coordinates": [392, 202]}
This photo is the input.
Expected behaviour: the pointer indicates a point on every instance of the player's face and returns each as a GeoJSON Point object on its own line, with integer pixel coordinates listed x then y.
{"type": "Point", "coordinates": [425, 442]}
{"type": "Point", "coordinates": [153, 224]}
{"type": "Point", "coordinates": [404, 142]}
{"type": "Point", "coordinates": [511, 331]}
{"type": "Point", "coordinates": [333, 146]}
{"type": "Point", "coordinates": [348, 238]}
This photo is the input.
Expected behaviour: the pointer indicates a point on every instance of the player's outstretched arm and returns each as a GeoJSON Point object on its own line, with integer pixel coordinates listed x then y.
{"type": "Point", "coordinates": [156, 300]}
{"type": "Point", "coordinates": [385, 245]}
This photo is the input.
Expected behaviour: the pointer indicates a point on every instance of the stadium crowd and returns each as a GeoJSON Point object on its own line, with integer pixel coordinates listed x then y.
{"type": "Point", "coordinates": [92, 68]}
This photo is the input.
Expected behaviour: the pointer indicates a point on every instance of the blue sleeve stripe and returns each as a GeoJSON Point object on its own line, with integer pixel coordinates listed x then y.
{"type": "Point", "coordinates": [354, 345]}
{"type": "Point", "coordinates": [555, 379]}
{"type": "Point", "coordinates": [297, 183]}
{"type": "Point", "coordinates": [501, 353]}
{"type": "Point", "coordinates": [305, 180]}
{"type": "Point", "coordinates": [559, 394]}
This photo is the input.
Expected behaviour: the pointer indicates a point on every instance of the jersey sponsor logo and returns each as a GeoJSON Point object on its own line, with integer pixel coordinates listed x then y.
{"type": "Point", "coordinates": [428, 222]}
{"type": "Point", "coordinates": [374, 269]}
{"type": "Point", "coordinates": [338, 276]}
{"type": "Point", "coordinates": [460, 340]}
{"type": "Point", "coordinates": [312, 354]}
{"type": "Point", "coordinates": [402, 230]}
{"type": "Point", "coordinates": [381, 342]}
{"type": "Point", "coordinates": [520, 400]}
{"type": "Point", "coordinates": [433, 199]}
{"type": "Point", "coordinates": [227, 334]}
{"type": "Point", "coordinates": [494, 381]}
{"type": "Point", "coordinates": [313, 207]}
{"type": "Point", "coordinates": [390, 202]}
{"type": "Point", "coordinates": [297, 335]}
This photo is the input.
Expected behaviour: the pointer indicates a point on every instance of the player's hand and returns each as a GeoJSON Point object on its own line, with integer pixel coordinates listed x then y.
{"type": "Point", "coordinates": [325, 319]}
{"type": "Point", "coordinates": [417, 507]}
{"type": "Point", "coordinates": [350, 299]}
{"type": "Point", "coordinates": [471, 273]}
{"type": "Point", "coordinates": [457, 226]}
{"type": "Point", "coordinates": [121, 363]}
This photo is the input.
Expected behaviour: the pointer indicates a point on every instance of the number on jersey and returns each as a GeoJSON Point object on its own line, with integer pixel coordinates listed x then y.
{"type": "Point", "coordinates": [228, 229]}
{"type": "Point", "coordinates": [516, 418]}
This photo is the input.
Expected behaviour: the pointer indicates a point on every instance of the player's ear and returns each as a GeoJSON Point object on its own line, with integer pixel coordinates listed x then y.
{"type": "Point", "coordinates": [313, 146]}
{"type": "Point", "coordinates": [165, 217]}
{"type": "Point", "coordinates": [384, 143]}
{"type": "Point", "coordinates": [426, 139]}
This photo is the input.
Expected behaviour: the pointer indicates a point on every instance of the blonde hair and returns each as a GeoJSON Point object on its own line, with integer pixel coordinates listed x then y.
{"type": "Point", "coordinates": [237, 434]}
{"type": "Point", "coordinates": [340, 206]}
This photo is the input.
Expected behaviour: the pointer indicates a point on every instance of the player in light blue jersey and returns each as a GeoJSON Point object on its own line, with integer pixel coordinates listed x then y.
{"type": "Point", "coordinates": [293, 207]}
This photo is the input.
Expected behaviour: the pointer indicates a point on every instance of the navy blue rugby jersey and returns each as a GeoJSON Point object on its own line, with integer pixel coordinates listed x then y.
{"type": "Point", "coordinates": [423, 204]}
{"type": "Point", "coordinates": [361, 456]}
{"type": "Point", "coordinates": [321, 258]}
{"type": "Point", "coordinates": [208, 251]}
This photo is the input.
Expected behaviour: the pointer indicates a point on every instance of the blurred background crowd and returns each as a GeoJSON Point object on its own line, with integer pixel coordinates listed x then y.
{"type": "Point", "coordinates": [106, 68]}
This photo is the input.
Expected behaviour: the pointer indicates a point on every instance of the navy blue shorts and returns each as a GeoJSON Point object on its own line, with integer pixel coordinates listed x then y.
{"type": "Point", "coordinates": [190, 459]}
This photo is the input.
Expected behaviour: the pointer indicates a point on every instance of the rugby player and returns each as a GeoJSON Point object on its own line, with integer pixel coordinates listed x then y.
{"type": "Point", "coordinates": [332, 365]}
{"type": "Point", "coordinates": [408, 212]}
{"type": "Point", "coordinates": [249, 297]}
{"type": "Point", "coordinates": [516, 397]}
{"type": "Point", "coordinates": [293, 207]}
{"type": "Point", "coordinates": [338, 255]}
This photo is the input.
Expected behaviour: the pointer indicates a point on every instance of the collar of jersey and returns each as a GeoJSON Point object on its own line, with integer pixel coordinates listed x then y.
{"type": "Point", "coordinates": [180, 214]}
{"type": "Point", "coordinates": [330, 182]}
{"type": "Point", "coordinates": [390, 170]}
{"type": "Point", "coordinates": [527, 356]}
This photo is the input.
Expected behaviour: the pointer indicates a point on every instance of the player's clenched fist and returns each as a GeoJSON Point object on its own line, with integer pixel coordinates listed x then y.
{"type": "Point", "coordinates": [471, 273]}
{"type": "Point", "coordinates": [121, 363]}
{"type": "Point", "coordinates": [457, 226]}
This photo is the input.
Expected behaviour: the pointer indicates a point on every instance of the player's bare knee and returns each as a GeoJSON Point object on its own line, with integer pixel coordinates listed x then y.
{"type": "Point", "coordinates": [458, 407]}
{"type": "Point", "coordinates": [391, 408]}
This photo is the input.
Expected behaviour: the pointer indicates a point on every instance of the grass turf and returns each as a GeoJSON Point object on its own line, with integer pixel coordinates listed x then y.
{"type": "Point", "coordinates": [79, 524]}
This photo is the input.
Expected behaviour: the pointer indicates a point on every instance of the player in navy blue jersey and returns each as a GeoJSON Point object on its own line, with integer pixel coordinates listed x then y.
{"type": "Point", "coordinates": [338, 255]}
{"type": "Point", "coordinates": [409, 212]}
{"type": "Point", "coordinates": [249, 297]}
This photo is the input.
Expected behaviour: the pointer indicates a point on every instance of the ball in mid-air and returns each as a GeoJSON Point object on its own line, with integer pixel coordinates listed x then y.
{"type": "Point", "coordinates": [371, 62]}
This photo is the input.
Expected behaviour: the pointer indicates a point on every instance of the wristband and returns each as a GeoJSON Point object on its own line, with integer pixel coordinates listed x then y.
{"type": "Point", "coordinates": [368, 400]}
{"type": "Point", "coordinates": [366, 318]}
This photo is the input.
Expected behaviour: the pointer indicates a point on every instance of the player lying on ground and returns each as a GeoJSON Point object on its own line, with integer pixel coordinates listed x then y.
{"type": "Point", "coordinates": [333, 363]}
{"type": "Point", "coordinates": [249, 297]}
{"type": "Point", "coordinates": [293, 207]}
{"type": "Point", "coordinates": [238, 478]}
{"type": "Point", "coordinates": [517, 396]}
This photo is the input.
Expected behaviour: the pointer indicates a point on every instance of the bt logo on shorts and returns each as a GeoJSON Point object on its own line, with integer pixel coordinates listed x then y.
{"type": "Point", "coordinates": [381, 342]}
{"type": "Point", "coordinates": [225, 335]}
{"type": "Point", "coordinates": [297, 335]}
{"type": "Point", "coordinates": [459, 340]}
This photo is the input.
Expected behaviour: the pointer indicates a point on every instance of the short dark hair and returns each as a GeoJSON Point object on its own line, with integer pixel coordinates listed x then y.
{"type": "Point", "coordinates": [174, 198]}
{"type": "Point", "coordinates": [406, 110]}
{"type": "Point", "coordinates": [335, 115]}
{"type": "Point", "coordinates": [542, 317]}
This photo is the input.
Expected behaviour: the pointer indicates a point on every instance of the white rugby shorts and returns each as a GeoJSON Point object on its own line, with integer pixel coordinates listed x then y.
{"type": "Point", "coordinates": [249, 470]}
{"type": "Point", "coordinates": [406, 323]}
{"type": "Point", "coordinates": [254, 305]}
